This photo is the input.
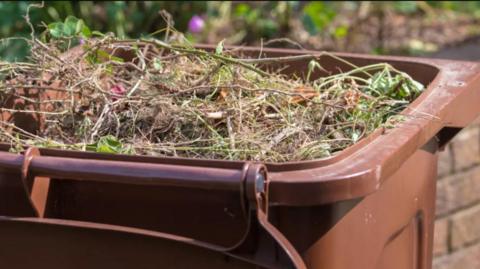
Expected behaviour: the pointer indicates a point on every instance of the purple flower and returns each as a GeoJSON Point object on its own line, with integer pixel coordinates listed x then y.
{"type": "Point", "coordinates": [81, 41]}
{"type": "Point", "coordinates": [196, 24]}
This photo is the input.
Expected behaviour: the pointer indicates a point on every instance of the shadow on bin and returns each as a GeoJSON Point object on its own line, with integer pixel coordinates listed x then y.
{"type": "Point", "coordinates": [371, 206]}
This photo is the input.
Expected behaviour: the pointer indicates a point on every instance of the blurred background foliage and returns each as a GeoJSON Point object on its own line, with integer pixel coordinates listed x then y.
{"type": "Point", "coordinates": [401, 27]}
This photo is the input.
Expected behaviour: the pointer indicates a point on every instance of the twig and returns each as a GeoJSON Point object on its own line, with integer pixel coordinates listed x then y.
{"type": "Point", "coordinates": [2, 109]}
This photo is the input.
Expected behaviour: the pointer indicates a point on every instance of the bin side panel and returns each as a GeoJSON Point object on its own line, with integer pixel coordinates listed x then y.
{"type": "Point", "coordinates": [13, 199]}
{"type": "Point", "coordinates": [402, 250]}
{"type": "Point", "coordinates": [211, 216]}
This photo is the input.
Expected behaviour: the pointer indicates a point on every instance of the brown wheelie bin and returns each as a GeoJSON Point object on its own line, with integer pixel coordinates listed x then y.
{"type": "Point", "coordinates": [369, 207]}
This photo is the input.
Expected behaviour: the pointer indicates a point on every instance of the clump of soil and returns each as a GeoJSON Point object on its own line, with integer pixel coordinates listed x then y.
{"type": "Point", "coordinates": [167, 98]}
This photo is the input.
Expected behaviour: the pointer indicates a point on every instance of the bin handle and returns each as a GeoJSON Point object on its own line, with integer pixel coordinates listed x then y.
{"type": "Point", "coordinates": [36, 171]}
{"type": "Point", "coordinates": [153, 174]}
{"type": "Point", "coordinates": [254, 189]}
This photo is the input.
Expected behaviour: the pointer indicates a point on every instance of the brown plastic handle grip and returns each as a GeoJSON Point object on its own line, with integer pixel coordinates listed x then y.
{"type": "Point", "coordinates": [34, 166]}
{"type": "Point", "coordinates": [210, 178]}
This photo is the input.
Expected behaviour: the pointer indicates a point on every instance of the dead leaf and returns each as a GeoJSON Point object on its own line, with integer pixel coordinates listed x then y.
{"type": "Point", "coordinates": [351, 97]}
{"type": "Point", "coordinates": [305, 93]}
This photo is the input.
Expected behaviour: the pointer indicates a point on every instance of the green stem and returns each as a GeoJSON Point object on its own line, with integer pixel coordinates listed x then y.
{"type": "Point", "coordinates": [198, 52]}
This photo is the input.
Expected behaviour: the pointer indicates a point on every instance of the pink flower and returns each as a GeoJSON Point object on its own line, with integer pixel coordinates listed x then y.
{"type": "Point", "coordinates": [117, 90]}
{"type": "Point", "coordinates": [196, 24]}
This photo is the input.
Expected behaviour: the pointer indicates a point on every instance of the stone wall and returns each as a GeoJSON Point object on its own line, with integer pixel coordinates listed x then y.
{"type": "Point", "coordinates": [457, 227]}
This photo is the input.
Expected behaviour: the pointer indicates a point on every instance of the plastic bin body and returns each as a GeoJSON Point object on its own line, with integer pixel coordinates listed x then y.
{"type": "Point", "coordinates": [371, 206]}
{"type": "Point", "coordinates": [389, 229]}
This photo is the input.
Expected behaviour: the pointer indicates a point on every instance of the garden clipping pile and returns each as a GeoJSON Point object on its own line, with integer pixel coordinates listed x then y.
{"type": "Point", "coordinates": [169, 98]}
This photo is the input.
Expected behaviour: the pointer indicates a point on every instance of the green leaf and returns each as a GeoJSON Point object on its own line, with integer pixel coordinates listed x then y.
{"type": "Point", "coordinates": [104, 56]}
{"type": "Point", "coordinates": [252, 16]}
{"type": "Point", "coordinates": [85, 32]}
{"type": "Point", "coordinates": [157, 64]}
{"type": "Point", "coordinates": [268, 27]}
{"type": "Point", "coordinates": [56, 29]}
{"type": "Point", "coordinates": [406, 7]}
{"type": "Point", "coordinates": [116, 59]}
{"type": "Point", "coordinates": [320, 13]}
{"type": "Point", "coordinates": [309, 25]}
{"type": "Point", "coordinates": [70, 26]}
{"type": "Point", "coordinates": [341, 32]}
{"type": "Point", "coordinates": [109, 144]}
{"type": "Point", "coordinates": [242, 10]}
{"type": "Point", "coordinates": [98, 33]}
{"type": "Point", "coordinates": [219, 48]}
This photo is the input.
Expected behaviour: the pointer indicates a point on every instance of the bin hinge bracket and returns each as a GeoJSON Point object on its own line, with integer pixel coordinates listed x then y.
{"type": "Point", "coordinates": [256, 187]}
{"type": "Point", "coordinates": [36, 188]}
